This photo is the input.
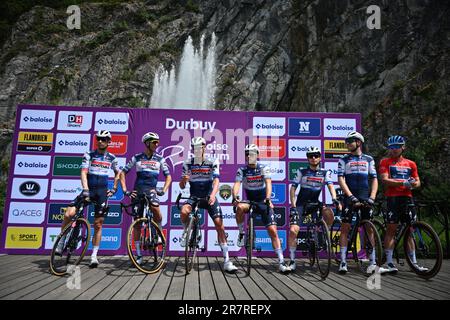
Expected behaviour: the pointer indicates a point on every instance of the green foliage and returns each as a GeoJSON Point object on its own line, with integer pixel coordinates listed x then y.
{"type": "Point", "coordinates": [103, 37]}
{"type": "Point", "coordinates": [136, 102]}
{"type": "Point", "coordinates": [127, 74]}
{"type": "Point", "coordinates": [121, 26]}
{"type": "Point", "coordinates": [191, 6]}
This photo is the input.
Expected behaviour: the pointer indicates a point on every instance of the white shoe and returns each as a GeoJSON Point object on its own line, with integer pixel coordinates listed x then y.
{"type": "Point", "coordinates": [284, 268]}
{"type": "Point", "coordinates": [390, 268]}
{"type": "Point", "coordinates": [292, 265]}
{"type": "Point", "coordinates": [228, 266]}
{"type": "Point", "coordinates": [139, 260]}
{"type": "Point", "coordinates": [183, 239]}
{"type": "Point", "coordinates": [241, 241]}
{"type": "Point", "coordinates": [372, 269]}
{"type": "Point", "coordinates": [94, 262]}
{"type": "Point", "coordinates": [343, 267]}
{"type": "Point", "coordinates": [421, 269]}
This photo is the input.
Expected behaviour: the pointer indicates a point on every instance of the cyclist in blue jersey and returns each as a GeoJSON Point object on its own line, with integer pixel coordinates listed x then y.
{"type": "Point", "coordinates": [148, 166]}
{"type": "Point", "coordinates": [95, 167]}
{"type": "Point", "coordinates": [311, 181]}
{"type": "Point", "coordinates": [203, 177]}
{"type": "Point", "coordinates": [257, 184]}
{"type": "Point", "coordinates": [357, 177]}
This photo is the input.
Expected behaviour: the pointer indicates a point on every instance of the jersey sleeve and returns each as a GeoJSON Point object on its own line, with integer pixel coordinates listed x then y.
{"type": "Point", "coordinates": [115, 165]}
{"type": "Point", "coordinates": [266, 172]}
{"type": "Point", "coordinates": [86, 160]}
{"type": "Point", "coordinates": [384, 167]}
{"type": "Point", "coordinates": [328, 179]}
{"type": "Point", "coordinates": [239, 175]}
{"type": "Point", "coordinates": [215, 169]}
{"type": "Point", "coordinates": [297, 179]}
{"type": "Point", "coordinates": [130, 164]}
{"type": "Point", "coordinates": [186, 170]}
{"type": "Point", "coordinates": [341, 168]}
{"type": "Point", "coordinates": [414, 171]}
{"type": "Point", "coordinates": [164, 167]}
{"type": "Point", "coordinates": [372, 169]}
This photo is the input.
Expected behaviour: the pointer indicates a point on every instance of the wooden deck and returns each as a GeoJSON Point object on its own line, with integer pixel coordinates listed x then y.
{"type": "Point", "coordinates": [27, 277]}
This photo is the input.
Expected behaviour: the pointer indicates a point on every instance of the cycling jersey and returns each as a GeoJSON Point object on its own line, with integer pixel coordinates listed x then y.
{"type": "Point", "coordinates": [147, 170]}
{"type": "Point", "coordinates": [357, 170]}
{"type": "Point", "coordinates": [98, 166]}
{"type": "Point", "coordinates": [201, 176]}
{"type": "Point", "coordinates": [253, 180]}
{"type": "Point", "coordinates": [400, 169]}
{"type": "Point", "coordinates": [311, 183]}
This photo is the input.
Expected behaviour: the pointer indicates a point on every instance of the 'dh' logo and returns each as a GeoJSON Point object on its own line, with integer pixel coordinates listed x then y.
{"type": "Point", "coordinates": [75, 119]}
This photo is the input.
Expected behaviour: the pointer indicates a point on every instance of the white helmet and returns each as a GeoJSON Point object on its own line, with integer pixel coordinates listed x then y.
{"type": "Point", "coordinates": [355, 135]}
{"type": "Point", "coordinates": [312, 150]}
{"type": "Point", "coordinates": [252, 147]}
{"type": "Point", "coordinates": [103, 134]}
{"type": "Point", "coordinates": [198, 141]}
{"type": "Point", "coordinates": [150, 136]}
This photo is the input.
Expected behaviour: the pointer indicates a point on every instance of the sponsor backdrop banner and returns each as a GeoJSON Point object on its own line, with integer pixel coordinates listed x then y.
{"type": "Point", "coordinates": [50, 141]}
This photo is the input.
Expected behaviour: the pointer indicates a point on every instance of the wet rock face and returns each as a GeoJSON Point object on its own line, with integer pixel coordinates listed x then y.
{"type": "Point", "coordinates": [271, 55]}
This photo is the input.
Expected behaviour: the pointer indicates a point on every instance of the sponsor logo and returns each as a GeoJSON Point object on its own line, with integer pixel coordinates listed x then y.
{"type": "Point", "coordinates": [111, 239]}
{"type": "Point", "coordinates": [225, 191]}
{"type": "Point", "coordinates": [34, 141]}
{"type": "Point", "coordinates": [119, 193]}
{"type": "Point", "coordinates": [67, 166]}
{"type": "Point", "coordinates": [298, 148]}
{"type": "Point", "coordinates": [32, 165]}
{"type": "Point", "coordinates": [175, 216]}
{"type": "Point", "coordinates": [23, 238]}
{"type": "Point", "coordinates": [335, 149]}
{"type": "Point", "coordinates": [175, 239]}
{"type": "Point", "coordinates": [304, 127]}
{"type": "Point", "coordinates": [65, 189]}
{"type": "Point", "coordinates": [278, 193]}
{"type": "Point", "coordinates": [56, 213]}
{"type": "Point", "coordinates": [228, 217]}
{"type": "Point", "coordinates": [24, 188]}
{"type": "Point", "coordinates": [277, 169]}
{"type": "Point", "coordinates": [50, 237]}
{"type": "Point", "coordinates": [112, 121]}
{"type": "Point", "coordinates": [271, 148]}
{"type": "Point", "coordinates": [72, 143]}
{"type": "Point", "coordinates": [26, 212]}
{"type": "Point", "coordinates": [214, 246]}
{"type": "Point", "coordinates": [338, 127]}
{"type": "Point", "coordinates": [37, 119]}
{"type": "Point", "coordinates": [264, 243]}
{"type": "Point", "coordinates": [113, 217]}
{"type": "Point", "coordinates": [269, 126]}
{"type": "Point", "coordinates": [333, 168]}
{"type": "Point", "coordinates": [190, 124]}
{"type": "Point", "coordinates": [279, 215]}
{"type": "Point", "coordinates": [294, 167]}
{"type": "Point", "coordinates": [74, 120]}
{"type": "Point", "coordinates": [117, 145]}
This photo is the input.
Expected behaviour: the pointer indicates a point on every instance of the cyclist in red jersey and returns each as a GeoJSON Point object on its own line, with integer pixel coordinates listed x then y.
{"type": "Point", "coordinates": [399, 176]}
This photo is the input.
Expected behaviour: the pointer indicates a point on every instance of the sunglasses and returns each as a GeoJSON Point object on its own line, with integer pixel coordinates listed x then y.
{"type": "Point", "coordinates": [103, 139]}
{"type": "Point", "coordinates": [395, 146]}
{"type": "Point", "coordinates": [351, 140]}
{"type": "Point", "coordinates": [315, 155]}
{"type": "Point", "coordinates": [250, 153]}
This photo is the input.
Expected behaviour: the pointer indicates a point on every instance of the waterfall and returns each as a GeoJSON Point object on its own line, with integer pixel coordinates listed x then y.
{"type": "Point", "coordinates": [194, 86]}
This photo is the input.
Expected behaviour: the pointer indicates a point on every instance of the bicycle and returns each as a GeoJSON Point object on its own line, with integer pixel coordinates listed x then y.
{"type": "Point", "coordinates": [152, 241]}
{"type": "Point", "coordinates": [250, 234]}
{"type": "Point", "coordinates": [318, 239]}
{"type": "Point", "coordinates": [359, 238]}
{"type": "Point", "coordinates": [419, 235]}
{"type": "Point", "coordinates": [76, 236]}
{"type": "Point", "coordinates": [193, 234]}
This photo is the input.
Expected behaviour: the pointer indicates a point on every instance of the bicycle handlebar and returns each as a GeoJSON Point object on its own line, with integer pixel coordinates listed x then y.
{"type": "Point", "coordinates": [194, 198]}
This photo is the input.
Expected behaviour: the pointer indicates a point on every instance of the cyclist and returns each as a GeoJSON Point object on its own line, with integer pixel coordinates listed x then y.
{"type": "Point", "coordinates": [399, 175]}
{"type": "Point", "coordinates": [203, 176]}
{"type": "Point", "coordinates": [258, 188]}
{"type": "Point", "coordinates": [95, 167]}
{"type": "Point", "coordinates": [148, 166]}
{"type": "Point", "coordinates": [355, 170]}
{"type": "Point", "coordinates": [311, 181]}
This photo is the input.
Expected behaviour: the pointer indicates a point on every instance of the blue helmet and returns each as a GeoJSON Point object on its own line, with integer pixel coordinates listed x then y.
{"type": "Point", "coordinates": [395, 141]}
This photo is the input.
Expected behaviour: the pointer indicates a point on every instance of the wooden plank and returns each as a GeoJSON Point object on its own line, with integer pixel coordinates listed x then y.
{"type": "Point", "coordinates": [128, 289]}
{"type": "Point", "coordinates": [21, 283]}
{"type": "Point", "coordinates": [271, 291]}
{"type": "Point", "coordinates": [117, 283]}
{"type": "Point", "coordinates": [238, 290]}
{"type": "Point", "coordinates": [176, 288]}
{"type": "Point", "coordinates": [144, 289]}
{"type": "Point", "coordinates": [162, 285]}
{"type": "Point", "coordinates": [16, 261]}
{"type": "Point", "coordinates": [223, 291]}
{"type": "Point", "coordinates": [192, 283]}
{"type": "Point", "coordinates": [434, 283]}
{"type": "Point", "coordinates": [17, 273]}
{"type": "Point", "coordinates": [272, 267]}
{"type": "Point", "coordinates": [207, 288]}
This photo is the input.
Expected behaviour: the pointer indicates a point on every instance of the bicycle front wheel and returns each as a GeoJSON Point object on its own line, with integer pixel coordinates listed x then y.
{"type": "Point", "coordinates": [75, 236]}
{"type": "Point", "coordinates": [335, 234]}
{"type": "Point", "coordinates": [149, 252]}
{"type": "Point", "coordinates": [249, 244]}
{"type": "Point", "coordinates": [190, 251]}
{"type": "Point", "coordinates": [367, 246]}
{"type": "Point", "coordinates": [323, 248]}
{"type": "Point", "coordinates": [423, 250]}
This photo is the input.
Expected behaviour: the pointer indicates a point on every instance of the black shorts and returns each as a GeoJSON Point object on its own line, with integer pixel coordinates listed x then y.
{"type": "Point", "coordinates": [97, 195]}
{"type": "Point", "coordinates": [139, 202]}
{"type": "Point", "coordinates": [214, 211]}
{"type": "Point", "coordinates": [267, 216]}
{"type": "Point", "coordinates": [398, 211]}
{"type": "Point", "coordinates": [347, 213]}
{"type": "Point", "coordinates": [294, 218]}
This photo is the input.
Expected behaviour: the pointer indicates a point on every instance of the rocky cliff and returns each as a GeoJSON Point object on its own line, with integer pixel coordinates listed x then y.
{"type": "Point", "coordinates": [271, 55]}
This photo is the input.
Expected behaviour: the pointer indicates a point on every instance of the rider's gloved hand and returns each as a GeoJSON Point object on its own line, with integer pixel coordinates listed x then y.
{"type": "Point", "coordinates": [354, 199]}
{"type": "Point", "coordinates": [408, 183]}
{"type": "Point", "coordinates": [371, 201]}
{"type": "Point", "coordinates": [267, 202]}
{"type": "Point", "coordinates": [293, 211]}
{"type": "Point", "coordinates": [236, 200]}
{"type": "Point", "coordinates": [160, 192]}
{"type": "Point", "coordinates": [111, 192]}
{"type": "Point", "coordinates": [336, 202]}
{"type": "Point", "coordinates": [85, 193]}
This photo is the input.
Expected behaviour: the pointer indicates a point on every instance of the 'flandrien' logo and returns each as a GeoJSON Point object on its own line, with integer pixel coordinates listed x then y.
{"type": "Point", "coordinates": [34, 141]}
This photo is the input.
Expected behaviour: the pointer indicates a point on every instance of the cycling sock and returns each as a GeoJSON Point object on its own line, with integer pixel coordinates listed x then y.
{"type": "Point", "coordinates": [241, 227]}
{"type": "Point", "coordinates": [412, 256]}
{"type": "Point", "coordinates": [372, 257]}
{"type": "Point", "coordinates": [344, 254]}
{"type": "Point", "coordinates": [94, 251]}
{"type": "Point", "coordinates": [389, 253]}
{"type": "Point", "coordinates": [138, 247]}
{"type": "Point", "coordinates": [279, 253]}
{"type": "Point", "coordinates": [224, 248]}
{"type": "Point", "coordinates": [292, 252]}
